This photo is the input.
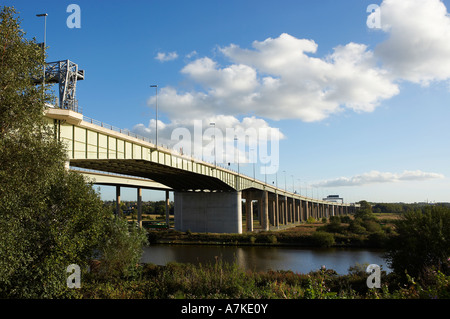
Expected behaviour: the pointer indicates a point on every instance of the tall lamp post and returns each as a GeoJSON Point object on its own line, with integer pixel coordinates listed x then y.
{"type": "Point", "coordinates": [156, 87]}
{"type": "Point", "coordinates": [213, 124]}
{"type": "Point", "coordinates": [43, 49]}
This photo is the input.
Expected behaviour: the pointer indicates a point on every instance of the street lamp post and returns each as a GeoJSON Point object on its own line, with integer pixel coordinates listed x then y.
{"type": "Point", "coordinates": [213, 124]}
{"type": "Point", "coordinates": [293, 188]}
{"type": "Point", "coordinates": [156, 87]}
{"type": "Point", "coordinates": [239, 176]}
{"type": "Point", "coordinates": [43, 49]}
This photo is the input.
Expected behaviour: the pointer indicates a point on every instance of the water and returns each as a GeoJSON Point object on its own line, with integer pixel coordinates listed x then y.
{"type": "Point", "coordinates": [300, 260]}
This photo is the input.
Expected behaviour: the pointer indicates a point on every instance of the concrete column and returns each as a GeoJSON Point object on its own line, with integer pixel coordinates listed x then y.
{"type": "Point", "coordinates": [118, 200]}
{"type": "Point", "coordinates": [294, 211]}
{"type": "Point", "coordinates": [286, 208]}
{"type": "Point", "coordinates": [214, 212]}
{"type": "Point", "coordinates": [139, 202]}
{"type": "Point", "coordinates": [299, 210]}
{"type": "Point", "coordinates": [307, 210]}
{"type": "Point", "coordinates": [265, 211]}
{"type": "Point", "coordinates": [277, 211]}
{"type": "Point", "coordinates": [274, 213]}
{"type": "Point", "coordinates": [282, 213]}
{"type": "Point", "coordinates": [249, 213]}
{"type": "Point", "coordinates": [167, 208]}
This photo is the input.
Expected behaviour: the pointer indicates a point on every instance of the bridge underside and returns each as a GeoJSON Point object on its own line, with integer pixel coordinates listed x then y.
{"type": "Point", "coordinates": [177, 179]}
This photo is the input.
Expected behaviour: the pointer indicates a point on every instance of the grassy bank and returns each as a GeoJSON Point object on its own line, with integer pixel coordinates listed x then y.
{"type": "Point", "coordinates": [223, 281]}
{"type": "Point", "coordinates": [337, 232]}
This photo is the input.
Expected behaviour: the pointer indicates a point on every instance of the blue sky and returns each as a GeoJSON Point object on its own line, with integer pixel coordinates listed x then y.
{"type": "Point", "coordinates": [363, 111]}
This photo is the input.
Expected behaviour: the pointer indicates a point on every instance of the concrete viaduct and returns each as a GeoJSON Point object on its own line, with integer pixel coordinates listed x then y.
{"type": "Point", "coordinates": [208, 198]}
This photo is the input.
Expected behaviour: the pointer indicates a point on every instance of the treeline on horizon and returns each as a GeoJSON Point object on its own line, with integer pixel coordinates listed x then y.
{"type": "Point", "coordinates": [400, 208]}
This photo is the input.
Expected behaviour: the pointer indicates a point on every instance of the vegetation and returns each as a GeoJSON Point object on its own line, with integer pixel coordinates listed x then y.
{"type": "Point", "coordinates": [422, 244]}
{"type": "Point", "coordinates": [222, 280]}
{"type": "Point", "coordinates": [50, 218]}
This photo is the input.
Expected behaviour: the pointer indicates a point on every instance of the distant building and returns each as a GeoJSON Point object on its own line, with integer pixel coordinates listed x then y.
{"type": "Point", "coordinates": [334, 198]}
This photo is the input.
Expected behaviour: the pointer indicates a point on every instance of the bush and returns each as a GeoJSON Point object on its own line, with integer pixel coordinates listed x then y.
{"type": "Point", "coordinates": [356, 227]}
{"type": "Point", "coordinates": [345, 219]}
{"type": "Point", "coordinates": [372, 226]}
{"type": "Point", "coordinates": [377, 239]}
{"type": "Point", "coordinates": [422, 242]}
{"type": "Point", "coordinates": [335, 220]}
{"type": "Point", "coordinates": [121, 252]}
{"type": "Point", "coordinates": [323, 239]}
{"type": "Point", "coordinates": [310, 220]}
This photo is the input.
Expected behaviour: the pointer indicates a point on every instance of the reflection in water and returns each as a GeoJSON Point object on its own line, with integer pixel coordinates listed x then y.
{"type": "Point", "coordinates": [259, 258]}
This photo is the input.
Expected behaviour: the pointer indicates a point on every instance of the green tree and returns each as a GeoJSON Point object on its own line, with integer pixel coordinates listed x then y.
{"type": "Point", "coordinates": [365, 211]}
{"type": "Point", "coordinates": [121, 250]}
{"type": "Point", "coordinates": [49, 217]}
{"type": "Point", "coordinates": [422, 243]}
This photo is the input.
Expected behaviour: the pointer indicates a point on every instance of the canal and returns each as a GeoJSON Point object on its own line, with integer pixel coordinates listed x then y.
{"type": "Point", "coordinates": [263, 258]}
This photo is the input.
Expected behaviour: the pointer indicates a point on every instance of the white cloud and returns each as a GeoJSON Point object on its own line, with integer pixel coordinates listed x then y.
{"type": "Point", "coordinates": [418, 47]}
{"type": "Point", "coordinates": [164, 57]}
{"type": "Point", "coordinates": [281, 78]}
{"type": "Point", "coordinates": [278, 79]}
{"type": "Point", "coordinates": [201, 131]}
{"type": "Point", "coordinates": [375, 177]}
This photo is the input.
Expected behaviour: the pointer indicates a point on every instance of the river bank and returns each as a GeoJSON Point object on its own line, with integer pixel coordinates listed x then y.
{"type": "Point", "coordinates": [302, 235]}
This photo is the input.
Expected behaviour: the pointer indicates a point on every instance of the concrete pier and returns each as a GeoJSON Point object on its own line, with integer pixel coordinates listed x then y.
{"type": "Point", "coordinates": [213, 212]}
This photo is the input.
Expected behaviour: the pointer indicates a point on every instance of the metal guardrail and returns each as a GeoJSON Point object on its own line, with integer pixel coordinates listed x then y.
{"type": "Point", "coordinates": [116, 129]}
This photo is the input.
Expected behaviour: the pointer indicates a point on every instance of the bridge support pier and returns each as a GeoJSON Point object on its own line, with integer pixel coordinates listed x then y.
{"type": "Point", "coordinates": [213, 212]}
{"type": "Point", "coordinates": [118, 200]}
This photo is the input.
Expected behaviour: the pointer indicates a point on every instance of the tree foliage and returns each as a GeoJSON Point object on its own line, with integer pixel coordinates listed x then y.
{"type": "Point", "coordinates": [49, 217]}
{"type": "Point", "coordinates": [422, 243]}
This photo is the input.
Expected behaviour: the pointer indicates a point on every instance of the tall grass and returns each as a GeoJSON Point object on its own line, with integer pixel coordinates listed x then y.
{"type": "Point", "coordinates": [222, 280]}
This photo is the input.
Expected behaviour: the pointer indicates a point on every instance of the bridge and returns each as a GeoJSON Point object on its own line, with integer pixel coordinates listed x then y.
{"type": "Point", "coordinates": [207, 197]}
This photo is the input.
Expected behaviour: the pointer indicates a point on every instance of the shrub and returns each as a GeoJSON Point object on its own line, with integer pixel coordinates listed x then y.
{"type": "Point", "coordinates": [323, 239]}
{"type": "Point", "coordinates": [345, 219]}
{"type": "Point", "coordinates": [422, 242]}
{"type": "Point", "coordinates": [121, 252]}
{"type": "Point", "coordinates": [310, 220]}
{"type": "Point", "coordinates": [335, 219]}
{"type": "Point", "coordinates": [371, 226]}
{"type": "Point", "coordinates": [356, 227]}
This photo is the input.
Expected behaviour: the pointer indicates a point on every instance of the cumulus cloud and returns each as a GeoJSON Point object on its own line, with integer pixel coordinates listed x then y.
{"type": "Point", "coordinates": [164, 57]}
{"type": "Point", "coordinates": [221, 138]}
{"type": "Point", "coordinates": [278, 79]}
{"type": "Point", "coordinates": [374, 177]}
{"type": "Point", "coordinates": [418, 47]}
{"type": "Point", "coordinates": [283, 78]}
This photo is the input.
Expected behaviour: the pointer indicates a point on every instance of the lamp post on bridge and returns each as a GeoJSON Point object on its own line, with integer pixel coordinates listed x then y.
{"type": "Point", "coordinates": [156, 87]}
{"type": "Point", "coordinates": [43, 49]}
{"type": "Point", "coordinates": [213, 124]}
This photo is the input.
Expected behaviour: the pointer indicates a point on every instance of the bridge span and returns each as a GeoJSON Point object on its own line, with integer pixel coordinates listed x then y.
{"type": "Point", "coordinates": [208, 198]}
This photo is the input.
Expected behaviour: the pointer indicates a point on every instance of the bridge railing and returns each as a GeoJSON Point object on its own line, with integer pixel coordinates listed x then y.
{"type": "Point", "coordinates": [116, 129]}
